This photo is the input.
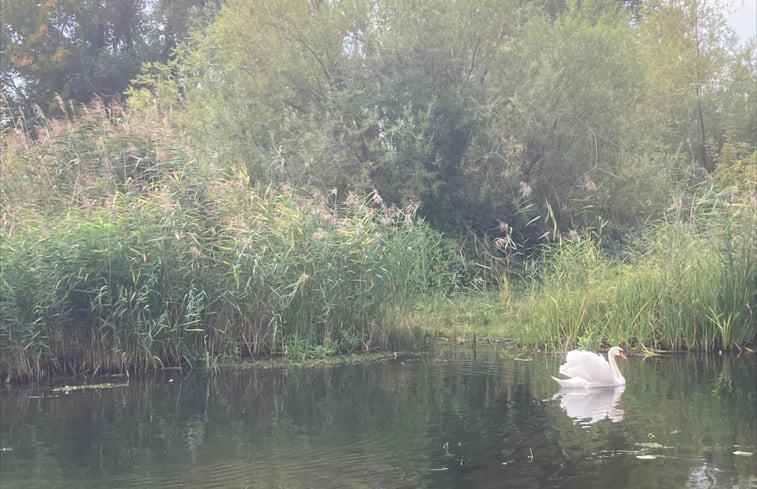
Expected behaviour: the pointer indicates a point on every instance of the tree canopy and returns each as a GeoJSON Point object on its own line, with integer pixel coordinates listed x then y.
{"type": "Point", "coordinates": [589, 113]}
{"type": "Point", "coordinates": [58, 52]}
{"type": "Point", "coordinates": [497, 116]}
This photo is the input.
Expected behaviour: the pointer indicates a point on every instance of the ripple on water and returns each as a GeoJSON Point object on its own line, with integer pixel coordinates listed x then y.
{"type": "Point", "coordinates": [453, 420]}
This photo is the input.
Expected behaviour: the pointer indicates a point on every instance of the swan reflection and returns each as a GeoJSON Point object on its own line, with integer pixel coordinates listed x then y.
{"type": "Point", "coordinates": [587, 406]}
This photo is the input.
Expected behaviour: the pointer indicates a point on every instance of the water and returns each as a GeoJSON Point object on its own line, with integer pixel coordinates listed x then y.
{"type": "Point", "coordinates": [454, 420]}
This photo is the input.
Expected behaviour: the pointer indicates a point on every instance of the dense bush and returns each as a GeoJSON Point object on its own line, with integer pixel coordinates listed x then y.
{"type": "Point", "coordinates": [467, 108]}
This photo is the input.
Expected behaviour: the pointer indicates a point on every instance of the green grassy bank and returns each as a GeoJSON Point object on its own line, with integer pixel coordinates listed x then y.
{"type": "Point", "coordinates": [689, 284]}
{"type": "Point", "coordinates": [121, 252]}
{"type": "Point", "coordinates": [134, 287]}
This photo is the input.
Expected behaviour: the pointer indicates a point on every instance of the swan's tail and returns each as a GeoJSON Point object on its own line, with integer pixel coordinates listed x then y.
{"type": "Point", "coordinates": [570, 383]}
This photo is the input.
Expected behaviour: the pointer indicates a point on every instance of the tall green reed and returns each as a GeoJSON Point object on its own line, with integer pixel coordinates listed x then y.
{"type": "Point", "coordinates": [328, 274]}
{"type": "Point", "coordinates": [120, 252]}
{"type": "Point", "coordinates": [144, 284]}
{"type": "Point", "coordinates": [691, 284]}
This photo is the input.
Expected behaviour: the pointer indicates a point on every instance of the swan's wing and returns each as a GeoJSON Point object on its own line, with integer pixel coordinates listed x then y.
{"type": "Point", "coordinates": [589, 366]}
{"type": "Point", "coordinates": [574, 383]}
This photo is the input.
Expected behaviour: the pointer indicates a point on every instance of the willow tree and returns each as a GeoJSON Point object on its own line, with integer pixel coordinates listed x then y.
{"type": "Point", "coordinates": [493, 112]}
{"type": "Point", "coordinates": [560, 123]}
{"type": "Point", "coordinates": [348, 95]}
{"type": "Point", "coordinates": [698, 71]}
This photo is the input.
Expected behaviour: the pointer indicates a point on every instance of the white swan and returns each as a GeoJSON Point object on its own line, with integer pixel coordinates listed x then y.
{"type": "Point", "coordinates": [587, 369]}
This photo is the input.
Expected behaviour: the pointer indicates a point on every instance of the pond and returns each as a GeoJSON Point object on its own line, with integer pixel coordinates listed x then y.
{"type": "Point", "coordinates": [458, 418]}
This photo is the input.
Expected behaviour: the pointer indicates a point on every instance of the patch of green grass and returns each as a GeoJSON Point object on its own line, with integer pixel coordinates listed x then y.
{"type": "Point", "coordinates": [462, 315]}
{"type": "Point", "coordinates": [331, 360]}
{"type": "Point", "coordinates": [690, 284]}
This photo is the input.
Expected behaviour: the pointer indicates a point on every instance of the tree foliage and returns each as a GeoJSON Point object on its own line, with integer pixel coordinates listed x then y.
{"type": "Point", "coordinates": [58, 52]}
{"type": "Point", "coordinates": [523, 120]}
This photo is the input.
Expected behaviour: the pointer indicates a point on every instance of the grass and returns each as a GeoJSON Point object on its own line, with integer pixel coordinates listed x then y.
{"type": "Point", "coordinates": [461, 316]}
{"type": "Point", "coordinates": [689, 284]}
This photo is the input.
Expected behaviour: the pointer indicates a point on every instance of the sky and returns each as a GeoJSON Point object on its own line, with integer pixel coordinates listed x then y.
{"type": "Point", "coordinates": [744, 19]}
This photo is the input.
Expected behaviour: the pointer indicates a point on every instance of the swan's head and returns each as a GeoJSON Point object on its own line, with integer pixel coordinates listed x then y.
{"type": "Point", "coordinates": [617, 351]}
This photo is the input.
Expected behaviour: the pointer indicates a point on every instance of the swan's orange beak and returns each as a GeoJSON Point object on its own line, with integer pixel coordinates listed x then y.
{"type": "Point", "coordinates": [623, 355]}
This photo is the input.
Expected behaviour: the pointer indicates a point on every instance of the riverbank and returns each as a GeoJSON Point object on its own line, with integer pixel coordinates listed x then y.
{"type": "Point", "coordinates": [137, 289]}
{"type": "Point", "coordinates": [687, 285]}
{"type": "Point", "coordinates": [117, 257]}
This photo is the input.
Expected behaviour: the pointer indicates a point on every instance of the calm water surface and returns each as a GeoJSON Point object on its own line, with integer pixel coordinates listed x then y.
{"type": "Point", "coordinates": [453, 420]}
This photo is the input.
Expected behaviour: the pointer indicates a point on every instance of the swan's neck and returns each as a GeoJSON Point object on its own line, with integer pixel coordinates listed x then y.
{"type": "Point", "coordinates": [615, 370]}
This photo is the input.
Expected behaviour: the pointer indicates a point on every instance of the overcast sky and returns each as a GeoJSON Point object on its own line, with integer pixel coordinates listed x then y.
{"type": "Point", "coordinates": [744, 19]}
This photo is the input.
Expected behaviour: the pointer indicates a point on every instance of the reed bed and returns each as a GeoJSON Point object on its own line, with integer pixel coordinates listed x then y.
{"type": "Point", "coordinates": [119, 252]}
{"type": "Point", "coordinates": [122, 254]}
{"type": "Point", "coordinates": [135, 287]}
{"type": "Point", "coordinates": [691, 284]}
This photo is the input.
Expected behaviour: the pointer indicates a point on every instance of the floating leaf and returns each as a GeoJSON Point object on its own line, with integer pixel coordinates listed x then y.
{"type": "Point", "coordinates": [651, 445]}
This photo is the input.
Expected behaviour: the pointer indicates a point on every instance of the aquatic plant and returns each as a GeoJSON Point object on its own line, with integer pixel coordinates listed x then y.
{"type": "Point", "coordinates": [171, 263]}
{"type": "Point", "coordinates": [688, 283]}
{"type": "Point", "coordinates": [691, 284]}
{"type": "Point", "coordinates": [134, 286]}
